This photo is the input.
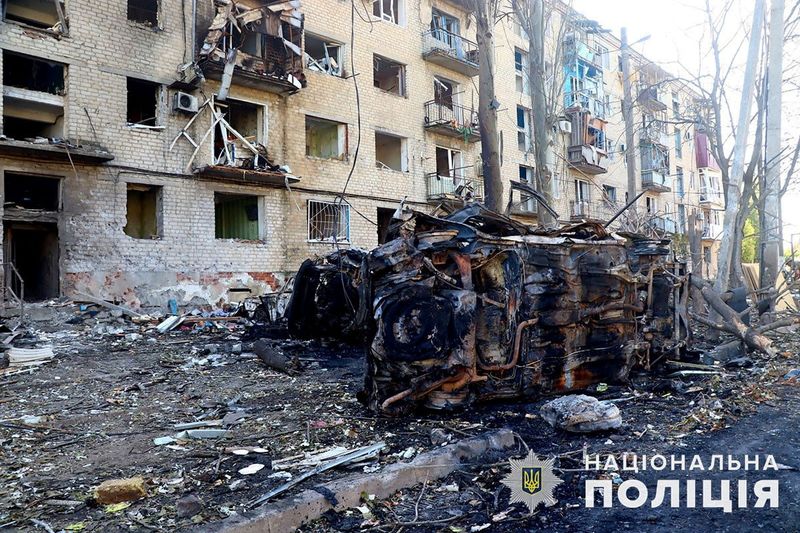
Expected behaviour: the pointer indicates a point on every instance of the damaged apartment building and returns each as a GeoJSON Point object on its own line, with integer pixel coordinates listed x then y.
{"type": "Point", "coordinates": [198, 150]}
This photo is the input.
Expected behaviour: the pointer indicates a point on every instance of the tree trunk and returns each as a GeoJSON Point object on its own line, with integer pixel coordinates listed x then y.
{"type": "Point", "coordinates": [487, 108]}
{"type": "Point", "coordinates": [733, 193]}
{"type": "Point", "coordinates": [542, 130]}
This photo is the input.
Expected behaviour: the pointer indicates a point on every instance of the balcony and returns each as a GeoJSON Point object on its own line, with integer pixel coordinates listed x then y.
{"type": "Point", "coordinates": [649, 99]}
{"type": "Point", "coordinates": [710, 197]}
{"type": "Point", "coordinates": [451, 51]}
{"type": "Point", "coordinates": [712, 232]}
{"type": "Point", "coordinates": [588, 159]}
{"type": "Point", "coordinates": [663, 224]}
{"type": "Point", "coordinates": [586, 152]}
{"type": "Point", "coordinates": [453, 186]}
{"type": "Point", "coordinates": [453, 120]}
{"type": "Point", "coordinates": [656, 180]}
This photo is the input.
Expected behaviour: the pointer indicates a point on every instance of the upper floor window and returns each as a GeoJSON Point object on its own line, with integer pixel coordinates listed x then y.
{"type": "Point", "coordinates": [323, 55]}
{"type": "Point", "coordinates": [445, 27]}
{"type": "Point", "coordinates": [520, 70]}
{"type": "Point", "coordinates": [389, 10]}
{"type": "Point", "coordinates": [143, 11]}
{"type": "Point", "coordinates": [44, 14]}
{"type": "Point", "coordinates": [389, 75]}
{"type": "Point", "coordinates": [678, 143]}
{"type": "Point", "coordinates": [143, 98]}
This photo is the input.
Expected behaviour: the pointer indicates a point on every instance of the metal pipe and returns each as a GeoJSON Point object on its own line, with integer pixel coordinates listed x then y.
{"type": "Point", "coordinates": [515, 350]}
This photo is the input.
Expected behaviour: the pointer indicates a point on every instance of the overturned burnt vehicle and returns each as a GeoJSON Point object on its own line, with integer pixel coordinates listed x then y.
{"type": "Point", "coordinates": [476, 306]}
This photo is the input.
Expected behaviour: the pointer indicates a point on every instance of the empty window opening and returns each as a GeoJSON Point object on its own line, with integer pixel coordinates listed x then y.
{"type": "Point", "coordinates": [388, 10]}
{"type": "Point", "coordinates": [390, 152]}
{"type": "Point", "coordinates": [325, 138]}
{"type": "Point", "coordinates": [33, 101]}
{"type": "Point", "coordinates": [389, 75]}
{"type": "Point", "coordinates": [26, 72]}
{"type": "Point", "coordinates": [33, 249]}
{"type": "Point", "coordinates": [31, 192]}
{"type": "Point", "coordinates": [248, 121]}
{"type": "Point", "coordinates": [385, 216]}
{"type": "Point", "coordinates": [37, 13]}
{"type": "Point", "coordinates": [236, 216]}
{"type": "Point", "coordinates": [328, 221]}
{"type": "Point", "coordinates": [143, 212]}
{"type": "Point", "coordinates": [523, 129]}
{"type": "Point", "coordinates": [142, 102]}
{"type": "Point", "coordinates": [323, 56]}
{"type": "Point", "coordinates": [143, 11]}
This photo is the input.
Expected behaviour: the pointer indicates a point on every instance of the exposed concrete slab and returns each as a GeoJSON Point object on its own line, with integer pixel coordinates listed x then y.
{"type": "Point", "coordinates": [291, 513]}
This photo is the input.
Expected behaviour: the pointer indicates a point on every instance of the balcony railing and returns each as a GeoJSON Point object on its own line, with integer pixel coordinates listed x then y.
{"type": "Point", "coordinates": [595, 106]}
{"type": "Point", "coordinates": [451, 51]}
{"type": "Point", "coordinates": [663, 223]}
{"type": "Point", "coordinates": [710, 195]}
{"type": "Point", "coordinates": [657, 180]}
{"type": "Point", "coordinates": [579, 209]}
{"type": "Point", "coordinates": [454, 184]}
{"type": "Point", "coordinates": [452, 119]}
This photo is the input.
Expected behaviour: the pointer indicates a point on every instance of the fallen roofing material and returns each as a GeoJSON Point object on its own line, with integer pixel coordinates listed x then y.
{"type": "Point", "coordinates": [476, 306]}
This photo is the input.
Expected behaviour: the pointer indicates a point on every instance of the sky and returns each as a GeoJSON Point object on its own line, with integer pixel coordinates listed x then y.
{"type": "Point", "coordinates": [676, 30]}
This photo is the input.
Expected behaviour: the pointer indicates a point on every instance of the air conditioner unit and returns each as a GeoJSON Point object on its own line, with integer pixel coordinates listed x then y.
{"type": "Point", "coordinates": [184, 102]}
{"type": "Point", "coordinates": [565, 126]}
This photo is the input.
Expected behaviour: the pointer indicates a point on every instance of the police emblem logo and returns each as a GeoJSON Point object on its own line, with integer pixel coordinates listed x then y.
{"type": "Point", "coordinates": [532, 481]}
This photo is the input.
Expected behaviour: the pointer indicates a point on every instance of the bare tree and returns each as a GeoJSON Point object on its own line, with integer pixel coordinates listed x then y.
{"type": "Point", "coordinates": [486, 14]}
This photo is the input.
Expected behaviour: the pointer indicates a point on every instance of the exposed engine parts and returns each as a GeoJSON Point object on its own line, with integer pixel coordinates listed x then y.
{"type": "Point", "coordinates": [476, 306]}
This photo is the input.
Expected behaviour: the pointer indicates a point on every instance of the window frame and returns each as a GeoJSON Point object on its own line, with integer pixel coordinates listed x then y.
{"type": "Point", "coordinates": [326, 43]}
{"type": "Point", "coordinates": [342, 206]}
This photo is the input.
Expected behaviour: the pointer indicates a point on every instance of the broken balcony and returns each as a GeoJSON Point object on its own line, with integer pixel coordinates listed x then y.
{"type": "Point", "coordinates": [587, 149]}
{"type": "Point", "coordinates": [455, 185]}
{"type": "Point", "coordinates": [649, 99]}
{"type": "Point", "coordinates": [33, 112]}
{"type": "Point", "coordinates": [453, 120]}
{"type": "Point", "coordinates": [257, 47]}
{"type": "Point", "coordinates": [451, 51]}
{"type": "Point", "coordinates": [655, 167]}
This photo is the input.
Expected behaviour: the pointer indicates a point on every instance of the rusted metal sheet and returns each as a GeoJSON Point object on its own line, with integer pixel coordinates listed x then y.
{"type": "Point", "coordinates": [476, 306]}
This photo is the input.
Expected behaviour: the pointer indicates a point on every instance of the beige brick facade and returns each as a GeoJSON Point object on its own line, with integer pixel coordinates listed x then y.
{"type": "Point", "coordinates": [103, 49]}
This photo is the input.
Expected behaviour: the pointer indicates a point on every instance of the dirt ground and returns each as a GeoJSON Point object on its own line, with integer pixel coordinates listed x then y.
{"type": "Point", "coordinates": [92, 415]}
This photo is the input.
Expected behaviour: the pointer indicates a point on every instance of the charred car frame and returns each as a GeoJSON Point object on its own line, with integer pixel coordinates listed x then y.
{"type": "Point", "coordinates": [476, 306]}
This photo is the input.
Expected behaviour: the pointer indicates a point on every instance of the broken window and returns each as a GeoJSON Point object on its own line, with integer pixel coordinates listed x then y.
{"type": "Point", "coordinates": [390, 152]}
{"type": "Point", "coordinates": [143, 11]}
{"type": "Point", "coordinates": [389, 75]}
{"type": "Point", "coordinates": [388, 10]}
{"type": "Point", "coordinates": [384, 218]}
{"type": "Point", "coordinates": [523, 129]}
{"type": "Point", "coordinates": [143, 102]}
{"type": "Point", "coordinates": [652, 205]}
{"type": "Point", "coordinates": [449, 163]}
{"type": "Point", "coordinates": [678, 143]}
{"type": "Point", "coordinates": [31, 192]}
{"type": "Point", "coordinates": [45, 14]}
{"type": "Point", "coordinates": [33, 101]}
{"type": "Point", "coordinates": [610, 194]}
{"type": "Point", "coordinates": [445, 28]}
{"type": "Point", "coordinates": [326, 138]}
{"type": "Point", "coordinates": [143, 219]}
{"type": "Point", "coordinates": [581, 191]}
{"type": "Point", "coordinates": [676, 106]}
{"type": "Point", "coordinates": [323, 56]}
{"type": "Point", "coordinates": [527, 202]}
{"type": "Point", "coordinates": [328, 221]}
{"type": "Point", "coordinates": [236, 216]}
{"type": "Point", "coordinates": [521, 69]}
{"type": "Point", "coordinates": [443, 92]}
{"type": "Point", "coordinates": [248, 121]}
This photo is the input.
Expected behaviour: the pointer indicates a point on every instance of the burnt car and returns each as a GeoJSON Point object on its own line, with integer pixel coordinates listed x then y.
{"type": "Point", "coordinates": [476, 306]}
